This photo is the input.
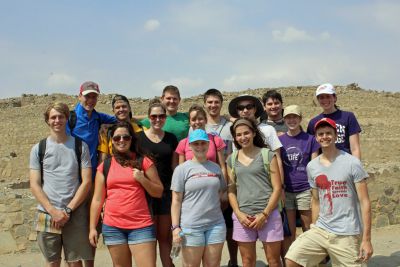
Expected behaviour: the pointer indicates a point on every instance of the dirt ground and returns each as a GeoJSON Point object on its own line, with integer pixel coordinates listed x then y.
{"type": "Point", "coordinates": [386, 243]}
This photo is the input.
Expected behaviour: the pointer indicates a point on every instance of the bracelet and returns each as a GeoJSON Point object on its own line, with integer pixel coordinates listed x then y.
{"type": "Point", "coordinates": [174, 226]}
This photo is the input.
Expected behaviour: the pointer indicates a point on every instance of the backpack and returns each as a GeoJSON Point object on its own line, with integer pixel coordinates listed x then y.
{"type": "Point", "coordinates": [266, 160]}
{"type": "Point", "coordinates": [106, 169]}
{"type": "Point", "coordinates": [73, 118]}
{"type": "Point", "coordinates": [78, 153]}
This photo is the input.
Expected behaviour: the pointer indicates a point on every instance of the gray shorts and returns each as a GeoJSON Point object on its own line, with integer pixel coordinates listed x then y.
{"type": "Point", "coordinates": [74, 239]}
{"type": "Point", "coordinates": [298, 201]}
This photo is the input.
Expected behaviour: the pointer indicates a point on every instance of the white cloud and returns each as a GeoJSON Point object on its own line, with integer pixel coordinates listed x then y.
{"type": "Point", "coordinates": [291, 34]}
{"type": "Point", "coordinates": [151, 25]}
{"type": "Point", "coordinates": [60, 80]}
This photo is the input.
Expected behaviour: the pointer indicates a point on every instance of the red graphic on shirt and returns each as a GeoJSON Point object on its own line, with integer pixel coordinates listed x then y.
{"type": "Point", "coordinates": [325, 186]}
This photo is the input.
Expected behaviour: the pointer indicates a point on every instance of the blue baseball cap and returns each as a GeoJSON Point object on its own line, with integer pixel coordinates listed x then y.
{"type": "Point", "coordinates": [198, 135]}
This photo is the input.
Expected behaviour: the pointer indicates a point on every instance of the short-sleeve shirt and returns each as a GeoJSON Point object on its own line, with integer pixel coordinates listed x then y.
{"type": "Point", "coordinates": [105, 144]}
{"type": "Point", "coordinates": [60, 170]}
{"type": "Point", "coordinates": [339, 207]}
{"type": "Point", "coordinates": [222, 129]}
{"type": "Point", "coordinates": [216, 144]}
{"type": "Point", "coordinates": [126, 205]}
{"type": "Point", "coordinates": [87, 129]}
{"type": "Point", "coordinates": [271, 138]}
{"type": "Point", "coordinates": [279, 126]}
{"type": "Point", "coordinates": [200, 184]}
{"type": "Point", "coordinates": [161, 153]}
{"type": "Point", "coordinates": [296, 154]}
{"type": "Point", "coordinates": [346, 125]}
{"type": "Point", "coordinates": [253, 184]}
{"type": "Point", "coordinates": [177, 124]}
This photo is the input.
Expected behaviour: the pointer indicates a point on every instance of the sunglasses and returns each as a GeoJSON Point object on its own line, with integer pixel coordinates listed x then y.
{"type": "Point", "coordinates": [117, 138]}
{"type": "Point", "coordinates": [154, 117]}
{"type": "Point", "coordinates": [248, 107]}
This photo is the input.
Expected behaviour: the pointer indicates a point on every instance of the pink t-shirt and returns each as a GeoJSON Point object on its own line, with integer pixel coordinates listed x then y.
{"type": "Point", "coordinates": [126, 205]}
{"type": "Point", "coordinates": [215, 142]}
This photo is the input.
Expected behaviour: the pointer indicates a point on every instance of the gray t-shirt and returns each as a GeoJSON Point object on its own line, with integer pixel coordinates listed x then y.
{"type": "Point", "coordinates": [339, 211]}
{"type": "Point", "coordinates": [200, 184]}
{"type": "Point", "coordinates": [222, 129]}
{"type": "Point", "coordinates": [60, 170]}
{"type": "Point", "coordinates": [253, 186]}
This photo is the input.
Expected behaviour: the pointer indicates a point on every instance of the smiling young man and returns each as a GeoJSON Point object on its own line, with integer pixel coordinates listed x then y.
{"type": "Point", "coordinates": [88, 120]}
{"type": "Point", "coordinates": [123, 112]}
{"type": "Point", "coordinates": [273, 106]}
{"type": "Point", "coordinates": [177, 123]}
{"type": "Point", "coordinates": [341, 209]}
{"type": "Point", "coordinates": [62, 219]}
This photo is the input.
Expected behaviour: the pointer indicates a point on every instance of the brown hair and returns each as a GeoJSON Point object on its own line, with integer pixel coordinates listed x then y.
{"type": "Point", "coordinates": [60, 107]}
{"type": "Point", "coordinates": [258, 138]}
{"type": "Point", "coordinates": [199, 110]}
{"type": "Point", "coordinates": [172, 89]}
{"type": "Point", "coordinates": [156, 103]}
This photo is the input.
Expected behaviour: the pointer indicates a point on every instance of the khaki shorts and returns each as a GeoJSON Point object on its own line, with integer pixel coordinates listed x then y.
{"type": "Point", "coordinates": [311, 247]}
{"type": "Point", "coordinates": [298, 201]}
{"type": "Point", "coordinates": [74, 239]}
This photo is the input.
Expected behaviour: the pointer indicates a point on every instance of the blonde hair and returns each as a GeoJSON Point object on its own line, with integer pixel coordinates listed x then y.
{"type": "Point", "coordinates": [59, 106]}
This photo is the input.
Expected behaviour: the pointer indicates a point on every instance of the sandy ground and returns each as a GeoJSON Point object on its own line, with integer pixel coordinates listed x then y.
{"type": "Point", "coordinates": [386, 243]}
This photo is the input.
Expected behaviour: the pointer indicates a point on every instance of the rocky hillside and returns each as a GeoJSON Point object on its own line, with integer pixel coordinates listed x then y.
{"type": "Point", "coordinates": [23, 126]}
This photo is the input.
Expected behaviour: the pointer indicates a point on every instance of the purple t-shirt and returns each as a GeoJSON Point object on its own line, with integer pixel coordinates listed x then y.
{"type": "Point", "coordinates": [296, 154]}
{"type": "Point", "coordinates": [346, 124]}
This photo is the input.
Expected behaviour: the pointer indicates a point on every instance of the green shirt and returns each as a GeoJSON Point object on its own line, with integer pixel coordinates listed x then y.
{"type": "Point", "coordinates": [177, 125]}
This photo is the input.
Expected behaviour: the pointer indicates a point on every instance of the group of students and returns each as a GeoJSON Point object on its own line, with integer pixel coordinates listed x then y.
{"type": "Point", "coordinates": [199, 179]}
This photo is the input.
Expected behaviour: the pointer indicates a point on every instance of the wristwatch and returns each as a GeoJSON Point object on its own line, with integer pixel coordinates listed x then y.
{"type": "Point", "coordinates": [173, 227]}
{"type": "Point", "coordinates": [68, 211]}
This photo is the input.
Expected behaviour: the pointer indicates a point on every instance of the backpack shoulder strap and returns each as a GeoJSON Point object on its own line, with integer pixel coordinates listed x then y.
{"type": "Point", "coordinates": [267, 157]}
{"type": "Point", "coordinates": [233, 162]}
{"type": "Point", "coordinates": [41, 152]}
{"type": "Point", "coordinates": [106, 169]}
{"type": "Point", "coordinates": [78, 152]}
{"type": "Point", "coordinates": [72, 120]}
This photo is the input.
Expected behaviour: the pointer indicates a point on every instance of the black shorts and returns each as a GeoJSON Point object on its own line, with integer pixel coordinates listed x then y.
{"type": "Point", "coordinates": [162, 206]}
{"type": "Point", "coordinates": [228, 217]}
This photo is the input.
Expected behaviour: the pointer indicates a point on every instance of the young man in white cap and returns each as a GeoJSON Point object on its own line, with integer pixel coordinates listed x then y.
{"type": "Point", "coordinates": [87, 120]}
{"type": "Point", "coordinates": [85, 124]}
{"type": "Point", "coordinates": [341, 209]}
{"type": "Point", "coordinates": [348, 128]}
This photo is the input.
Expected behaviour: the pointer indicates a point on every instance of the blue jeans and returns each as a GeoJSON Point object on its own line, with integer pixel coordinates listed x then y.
{"type": "Point", "coordinates": [117, 236]}
{"type": "Point", "coordinates": [199, 237]}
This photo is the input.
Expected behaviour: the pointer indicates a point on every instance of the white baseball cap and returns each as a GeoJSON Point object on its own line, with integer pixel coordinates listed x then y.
{"type": "Point", "coordinates": [325, 88]}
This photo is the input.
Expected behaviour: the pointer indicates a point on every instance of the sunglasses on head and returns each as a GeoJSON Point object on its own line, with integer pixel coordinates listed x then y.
{"type": "Point", "coordinates": [153, 117]}
{"type": "Point", "coordinates": [117, 138]}
{"type": "Point", "coordinates": [248, 107]}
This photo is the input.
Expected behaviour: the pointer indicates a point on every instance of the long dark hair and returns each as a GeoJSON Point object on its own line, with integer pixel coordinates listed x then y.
{"type": "Point", "coordinates": [258, 140]}
{"type": "Point", "coordinates": [125, 159]}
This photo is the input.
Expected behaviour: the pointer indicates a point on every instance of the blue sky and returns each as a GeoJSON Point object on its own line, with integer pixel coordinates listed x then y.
{"type": "Point", "coordinates": [136, 48]}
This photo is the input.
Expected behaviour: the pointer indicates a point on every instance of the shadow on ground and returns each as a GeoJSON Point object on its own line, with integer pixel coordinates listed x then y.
{"type": "Point", "coordinates": [385, 261]}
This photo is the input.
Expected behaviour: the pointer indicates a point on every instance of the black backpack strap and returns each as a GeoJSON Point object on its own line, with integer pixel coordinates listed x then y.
{"type": "Point", "coordinates": [72, 120]}
{"type": "Point", "coordinates": [78, 152]}
{"type": "Point", "coordinates": [106, 169]}
{"type": "Point", "coordinates": [42, 151]}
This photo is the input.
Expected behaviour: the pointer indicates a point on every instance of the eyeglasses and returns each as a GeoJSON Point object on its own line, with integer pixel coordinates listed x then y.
{"type": "Point", "coordinates": [248, 107]}
{"type": "Point", "coordinates": [117, 138]}
{"type": "Point", "coordinates": [154, 117]}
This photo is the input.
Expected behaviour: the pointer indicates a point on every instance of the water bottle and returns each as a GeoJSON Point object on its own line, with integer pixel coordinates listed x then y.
{"type": "Point", "coordinates": [176, 247]}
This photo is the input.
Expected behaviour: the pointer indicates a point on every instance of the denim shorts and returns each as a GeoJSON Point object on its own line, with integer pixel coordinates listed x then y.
{"type": "Point", "coordinates": [117, 236]}
{"type": "Point", "coordinates": [200, 237]}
